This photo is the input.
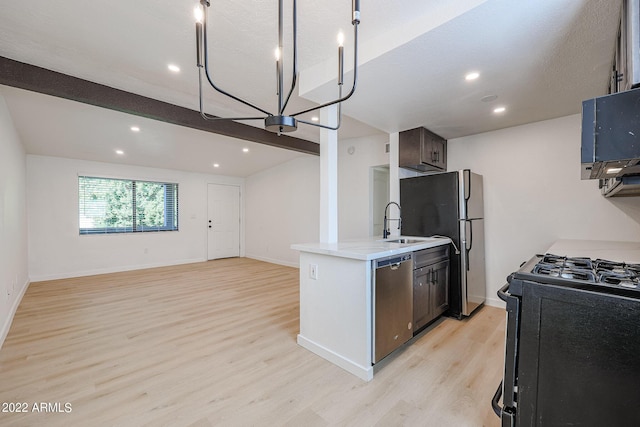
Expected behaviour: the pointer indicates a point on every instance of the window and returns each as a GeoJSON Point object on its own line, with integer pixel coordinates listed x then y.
{"type": "Point", "coordinates": [126, 206]}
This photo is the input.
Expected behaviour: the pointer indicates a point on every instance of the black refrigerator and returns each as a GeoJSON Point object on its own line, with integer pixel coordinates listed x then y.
{"type": "Point", "coordinates": [451, 204]}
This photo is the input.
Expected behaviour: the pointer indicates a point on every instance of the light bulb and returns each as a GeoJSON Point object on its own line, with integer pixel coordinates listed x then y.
{"type": "Point", "coordinates": [198, 13]}
{"type": "Point", "coordinates": [340, 38]}
{"type": "Point", "coordinates": [277, 53]}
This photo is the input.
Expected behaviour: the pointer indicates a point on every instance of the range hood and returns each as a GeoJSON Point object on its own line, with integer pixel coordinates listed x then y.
{"type": "Point", "coordinates": [611, 139]}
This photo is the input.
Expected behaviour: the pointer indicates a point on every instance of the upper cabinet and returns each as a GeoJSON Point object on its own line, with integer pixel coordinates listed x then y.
{"type": "Point", "coordinates": [626, 67]}
{"type": "Point", "coordinates": [422, 150]}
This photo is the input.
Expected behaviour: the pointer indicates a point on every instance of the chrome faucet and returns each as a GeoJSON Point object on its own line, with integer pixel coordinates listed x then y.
{"type": "Point", "coordinates": [385, 231]}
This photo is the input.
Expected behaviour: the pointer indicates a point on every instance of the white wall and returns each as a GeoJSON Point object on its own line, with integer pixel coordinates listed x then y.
{"type": "Point", "coordinates": [283, 203]}
{"type": "Point", "coordinates": [533, 194]}
{"type": "Point", "coordinates": [354, 183]}
{"type": "Point", "coordinates": [283, 207]}
{"type": "Point", "coordinates": [57, 250]}
{"type": "Point", "coordinates": [14, 277]}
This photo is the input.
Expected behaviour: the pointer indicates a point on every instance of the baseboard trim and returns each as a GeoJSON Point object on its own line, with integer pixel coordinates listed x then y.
{"type": "Point", "coordinates": [12, 312]}
{"type": "Point", "coordinates": [359, 371]}
{"type": "Point", "coordinates": [58, 276]}
{"type": "Point", "coordinates": [495, 302]}
{"type": "Point", "coordinates": [273, 261]}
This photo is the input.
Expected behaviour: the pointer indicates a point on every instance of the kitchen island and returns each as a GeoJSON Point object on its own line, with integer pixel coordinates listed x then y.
{"type": "Point", "coordinates": [336, 297]}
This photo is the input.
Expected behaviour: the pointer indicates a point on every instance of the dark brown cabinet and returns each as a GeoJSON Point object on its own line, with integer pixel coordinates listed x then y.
{"type": "Point", "coordinates": [626, 65]}
{"type": "Point", "coordinates": [430, 285]}
{"type": "Point", "coordinates": [422, 150]}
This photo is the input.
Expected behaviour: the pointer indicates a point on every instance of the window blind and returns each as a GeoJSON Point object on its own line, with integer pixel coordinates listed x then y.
{"type": "Point", "coordinates": [109, 205]}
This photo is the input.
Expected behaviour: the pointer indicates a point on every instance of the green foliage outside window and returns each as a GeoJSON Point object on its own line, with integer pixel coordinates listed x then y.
{"type": "Point", "coordinates": [120, 206]}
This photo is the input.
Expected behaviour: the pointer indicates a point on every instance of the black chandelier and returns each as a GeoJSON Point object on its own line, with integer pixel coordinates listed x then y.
{"type": "Point", "coordinates": [278, 122]}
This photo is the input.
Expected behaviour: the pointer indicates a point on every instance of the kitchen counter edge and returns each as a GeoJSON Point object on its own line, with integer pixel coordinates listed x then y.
{"type": "Point", "coordinates": [370, 249]}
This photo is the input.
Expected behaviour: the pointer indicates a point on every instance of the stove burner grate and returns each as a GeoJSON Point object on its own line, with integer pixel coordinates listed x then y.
{"type": "Point", "coordinates": [571, 262]}
{"type": "Point", "coordinates": [602, 271]}
{"type": "Point", "coordinates": [618, 279]}
{"type": "Point", "coordinates": [565, 272]}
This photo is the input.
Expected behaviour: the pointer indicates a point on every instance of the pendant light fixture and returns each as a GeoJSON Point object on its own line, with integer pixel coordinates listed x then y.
{"type": "Point", "coordinates": [277, 121]}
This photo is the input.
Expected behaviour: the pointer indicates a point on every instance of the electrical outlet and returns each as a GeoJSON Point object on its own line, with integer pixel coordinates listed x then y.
{"type": "Point", "coordinates": [313, 271]}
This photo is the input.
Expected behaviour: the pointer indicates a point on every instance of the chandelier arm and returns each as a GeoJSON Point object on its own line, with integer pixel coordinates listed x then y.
{"type": "Point", "coordinates": [355, 77]}
{"type": "Point", "coordinates": [295, 56]}
{"type": "Point", "coordinates": [210, 117]}
{"type": "Point", "coordinates": [319, 125]}
{"type": "Point", "coordinates": [205, 4]}
{"type": "Point", "coordinates": [327, 126]}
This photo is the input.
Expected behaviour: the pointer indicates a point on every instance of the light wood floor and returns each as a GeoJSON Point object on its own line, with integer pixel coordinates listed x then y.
{"type": "Point", "coordinates": [214, 344]}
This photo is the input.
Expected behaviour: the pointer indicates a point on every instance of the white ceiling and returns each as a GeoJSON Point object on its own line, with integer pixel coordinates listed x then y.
{"type": "Point", "coordinates": [541, 58]}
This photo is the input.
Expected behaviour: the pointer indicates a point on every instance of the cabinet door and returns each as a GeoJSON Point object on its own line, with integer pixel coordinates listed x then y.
{"type": "Point", "coordinates": [421, 297]}
{"type": "Point", "coordinates": [440, 288]}
{"type": "Point", "coordinates": [409, 150]}
{"type": "Point", "coordinates": [433, 150]}
{"type": "Point", "coordinates": [440, 153]}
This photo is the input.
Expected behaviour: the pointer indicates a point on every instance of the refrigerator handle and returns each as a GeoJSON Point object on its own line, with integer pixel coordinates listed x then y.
{"type": "Point", "coordinates": [467, 185]}
{"type": "Point", "coordinates": [469, 240]}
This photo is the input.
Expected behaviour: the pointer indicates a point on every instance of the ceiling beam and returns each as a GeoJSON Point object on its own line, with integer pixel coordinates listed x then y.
{"type": "Point", "coordinates": [37, 79]}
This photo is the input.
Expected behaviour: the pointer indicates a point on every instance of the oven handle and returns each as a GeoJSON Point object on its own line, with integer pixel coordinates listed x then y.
{"type": "Point", "coordinates": [496, 398]}
{"type": "Point", "coordinates": [502, 292]}
{"type": "Point", "coordinates": [506, 415]}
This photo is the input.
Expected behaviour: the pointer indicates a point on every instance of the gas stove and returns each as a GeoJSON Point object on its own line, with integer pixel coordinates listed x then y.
{"type": "Point", "coordinates": [583, 270]}
{"type": "Point", "coordinates": [571, 344]}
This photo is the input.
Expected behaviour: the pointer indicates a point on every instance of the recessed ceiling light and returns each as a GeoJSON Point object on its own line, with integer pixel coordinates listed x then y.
{"type": "Point", "coordinates": [472, 76]}
{"type": "Point", "coordinates": [216, 165]}
{"type": "Point", "coordinates": [119, 152]}
{"type": "Point", "coordinates": [245, 150]}
{"type": "Point", "coordinates": [489, 98]}
{"type": "Point", "coordinates": [499, 110]}
{"type": "Point", "coordinates": [314, 119]}
{"type": "Point", "coordinates": [135, 129]}
{"type": "Point", "coordinates": [173, 68]}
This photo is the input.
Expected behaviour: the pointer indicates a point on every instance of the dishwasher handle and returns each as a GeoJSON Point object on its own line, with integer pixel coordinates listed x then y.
{"type": "Point", "coordinates": [393, 262]}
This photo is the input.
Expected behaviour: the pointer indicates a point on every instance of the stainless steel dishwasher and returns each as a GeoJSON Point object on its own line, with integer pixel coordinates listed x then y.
{"type": "Point", "coordinates": [393, 304]}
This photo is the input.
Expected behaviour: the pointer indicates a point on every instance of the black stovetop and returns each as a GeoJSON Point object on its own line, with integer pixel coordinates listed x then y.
{"type": "Point", "coordinates": [548, 268]}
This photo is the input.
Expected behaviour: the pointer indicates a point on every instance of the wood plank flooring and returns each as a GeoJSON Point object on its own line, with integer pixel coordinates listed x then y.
{"type": "Point", "coordinates": [214, 344]}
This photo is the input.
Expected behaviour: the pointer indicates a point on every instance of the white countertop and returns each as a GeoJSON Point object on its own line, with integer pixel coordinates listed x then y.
{"type": "Point", "coordinates": [628, 252]}
{"type": "Point", "coordinates": [371, 248]}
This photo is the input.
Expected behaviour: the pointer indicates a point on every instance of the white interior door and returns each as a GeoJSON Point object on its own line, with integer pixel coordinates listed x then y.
{"type": "Point", "coordinates": [223, 221]}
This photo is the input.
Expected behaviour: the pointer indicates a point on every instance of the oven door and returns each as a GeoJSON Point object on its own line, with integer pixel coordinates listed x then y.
{"type": "Point", "coordinates": [508, 387]}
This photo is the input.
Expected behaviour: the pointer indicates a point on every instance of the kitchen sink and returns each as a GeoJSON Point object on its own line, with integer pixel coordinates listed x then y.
{"type": "Point", "coordinates": [404, 240]}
